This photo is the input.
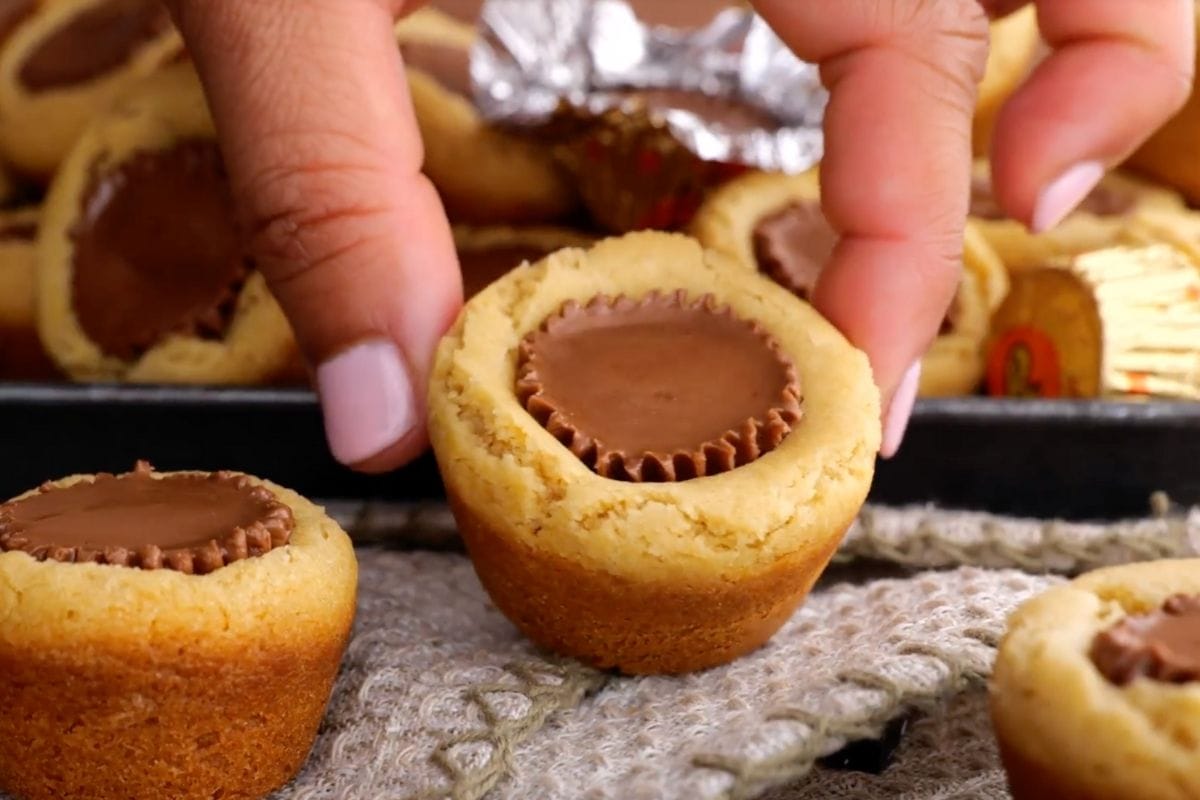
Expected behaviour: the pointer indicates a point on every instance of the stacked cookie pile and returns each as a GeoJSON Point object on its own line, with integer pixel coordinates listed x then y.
{"type": "Point", "coordinates": [105, 136]}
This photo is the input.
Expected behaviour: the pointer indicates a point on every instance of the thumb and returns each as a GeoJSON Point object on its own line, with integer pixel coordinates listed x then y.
{"type": "Point", "coordinates": [324, 156]}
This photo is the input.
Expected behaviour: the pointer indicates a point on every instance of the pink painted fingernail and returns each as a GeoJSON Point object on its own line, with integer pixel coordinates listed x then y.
{"type": "Point", "coordinates": [1064, 194]}
{"type": "Point", "coordinates": [368, 400]}
{"type": "Point", "coordinates": [895, 422]}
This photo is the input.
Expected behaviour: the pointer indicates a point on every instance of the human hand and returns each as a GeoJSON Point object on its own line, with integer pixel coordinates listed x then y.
{"type": "Point", "coordinates": [896, 174]}
{"type": "Point", "coordinates": [323, 152]}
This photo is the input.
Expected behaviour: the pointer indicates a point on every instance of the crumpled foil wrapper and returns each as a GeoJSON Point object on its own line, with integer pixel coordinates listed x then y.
{"type": "Point", "coordinates": [538, 63]}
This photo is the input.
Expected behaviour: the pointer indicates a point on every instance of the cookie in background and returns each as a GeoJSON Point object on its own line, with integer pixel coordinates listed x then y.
{"type": "Point", "coordinates": [1121, 322]}
{"type": "Point", "coordinates": [142, 274]}
{"type": "Point", "coordinates": [773, 224]}
{"type": "Point", "coordinates": [1172, 155]}
{"type": "Point", "coordinates": [484, 176]}
{"type": "Point", "coordinates": [1096, 223]}
{"type": "Point", "coordinates": [65, 63]}
{"type": "Point", "coordinates": [21, 354]}
{"type": "Point", "coordinates": [1013, 50]}
{"type": "Point", "coordinates": [487, 254]}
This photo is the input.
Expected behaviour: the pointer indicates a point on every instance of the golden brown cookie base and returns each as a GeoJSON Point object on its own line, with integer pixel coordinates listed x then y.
{"type": "Point", "coordinates": [1028, 780]}
{"type": "Point", "coordinates": [249, 720]}
{"type": "Point", "coordinates": [642, 627]}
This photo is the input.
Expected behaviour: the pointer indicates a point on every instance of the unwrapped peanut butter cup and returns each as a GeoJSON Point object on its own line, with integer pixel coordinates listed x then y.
{"type": "Point", "coordinates": [1163, 645]}
{"type": "Point", "coordinates": [92, 43]}
{"type": "Point", "coordinates": [792, 245]}
{"type": "Point", "coordinates": [1106, 200]}
{"type": "Point", "coordinates": [156, 250]}
{"type": "Point", "coordinates": [658, 389]}
{"type": "Point", "coordinates": [188, 522]}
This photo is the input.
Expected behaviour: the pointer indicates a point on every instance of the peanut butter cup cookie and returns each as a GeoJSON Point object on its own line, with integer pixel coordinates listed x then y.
{"type": "Point", "coordinates": [635, 432]}
{"type": "Point", "coordinates": [774, 224]}
{"type": "Point", "coordinates": [21, 354]}
{"type": "Point", "coordinates": [166, 635]}
{"type": "Point", "coordinates": [142, 271]}
{"type": "Point", "coordinates": [484, 176]}
{"type": "Point", "coordinates": [1095, 224]}
{"type": "Point", "coordinates": [65, 64]}
{"type": "Point", "coordinates": [487, 254]}
{"type": "Point", "coordinates": [1096, 691]}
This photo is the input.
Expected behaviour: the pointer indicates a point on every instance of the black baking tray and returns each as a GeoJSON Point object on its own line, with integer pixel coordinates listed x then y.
{"type": "Point", "coordinates": [1070, 459]}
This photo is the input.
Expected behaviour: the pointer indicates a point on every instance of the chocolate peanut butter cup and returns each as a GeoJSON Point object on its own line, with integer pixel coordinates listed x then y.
{"type": "Point", "coordinates": [1163, 645]}
{"type": "Point", "coordinates": [658, 389]}
{"type": "Point", "coordinates": [190, 523]}
{"type": "Point", "coordinates": [67, 61]}
{"type": "Point", "coordinates": [1108, 199]}
{"type": "Point", "coordinates": [793, 244]}
{"type": "Point", "coordinates": [156, 251]}
{"type": "Point", "coordinates": [96, 41]}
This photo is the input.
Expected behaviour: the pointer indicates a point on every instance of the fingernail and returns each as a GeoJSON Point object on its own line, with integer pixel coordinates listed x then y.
{"type": "Point", "coordinates": [895, 423]}
{"type": "Point", "coordinates": [367, 398]}
{"type": "Point", "coordinates": [1063, 194]}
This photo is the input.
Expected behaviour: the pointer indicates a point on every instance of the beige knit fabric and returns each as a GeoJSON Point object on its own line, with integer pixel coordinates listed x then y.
{"type": "Point", "coordinates": [439, 697]}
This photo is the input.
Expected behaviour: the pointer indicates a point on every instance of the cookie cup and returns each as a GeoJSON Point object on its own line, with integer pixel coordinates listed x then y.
{"type": "Point", "coordinates": [1065, 732]}
{"type": "Point", "coordinates": [954, 364]}
{"type": "Point", "coordinates": [1082, 231]}
{"type": "Point", "coordinates": [258, 346]}
{"type": "Point", "coordinates": [38, 128]}
{"type": "Point", "coordinates": [646, 577]}
{"type": "Point", "coordinates": [485, 176]}
{"type": "Point", "coordinates": [131, 683]}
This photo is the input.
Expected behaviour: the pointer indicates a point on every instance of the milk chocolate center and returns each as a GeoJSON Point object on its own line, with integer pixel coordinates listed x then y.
{"type": "Point", "coordinates": [139, 520]}
{"type": "Point", "coordinates": [662, 378]}
{"type": "Point", "coordinates": [1163, 645]}
{"type": "Point", "coordinates": [14, 231]}
{"type": "Point", "coordinates": [723, 112]}
{"type": "Point", "coordinates": [92, 43]}
{"type": "Point", "coordinates": [157, 251]}
{"type": "Point", "coordinates": [481, 267]}
{"type": "Point", "coordinates": [793, 244]}
{"type": "Point", "coordinates": [448, 65]}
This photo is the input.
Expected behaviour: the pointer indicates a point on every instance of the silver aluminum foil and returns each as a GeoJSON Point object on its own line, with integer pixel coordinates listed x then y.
{"type": "Point", "coordinates": [534, 56]}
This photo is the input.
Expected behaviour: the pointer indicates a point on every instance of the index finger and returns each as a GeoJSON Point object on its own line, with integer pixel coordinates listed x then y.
{"type": "Point", "coordinates": [902, 76]}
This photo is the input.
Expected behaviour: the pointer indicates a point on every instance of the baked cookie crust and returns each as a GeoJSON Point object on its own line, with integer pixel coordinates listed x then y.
{"type": "Point", "coordinates": [123, 682]}
{"type": "Point", "coordinates": [1064, 730]}
{"type": "Point", "coordinates": [617, 573]}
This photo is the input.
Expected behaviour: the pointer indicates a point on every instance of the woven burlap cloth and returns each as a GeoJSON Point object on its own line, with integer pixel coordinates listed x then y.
{"type": "Point", "coordinates": [439, 697]}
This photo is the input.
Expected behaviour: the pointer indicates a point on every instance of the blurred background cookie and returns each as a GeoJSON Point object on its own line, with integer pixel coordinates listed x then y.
{"type": "Point", "coordinates": [486, 254]}
{"type": "Point", "coordinates": [142, 273]}
{"type": "Point", "coordinates": [484, 176]}
{"type": "Point", "coordinates": [1172, 155]}
{"type": "Point", "coordinates": [1118, 322]}
{"type": "Point", "coordinates": [1096, 223]}
{"type": "Point", "coordinates": [21, 354]}
{"type": "Point", "coordinates": [68, 61]}
{"type": "Point", "coordinates": [774, 224]}
{"type": "Point", "coordinates": [1012, 52]}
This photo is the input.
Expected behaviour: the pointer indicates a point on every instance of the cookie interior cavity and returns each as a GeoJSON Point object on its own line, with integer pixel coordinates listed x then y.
{"type": "Point", "coordinates": [191, 523]}
{"type": "Point", "coordinates": [482, 266]}
{"type": "Point", "coordinates": [156, 250]}
{"type": "Point", "coordinates": [659, 389]}
{"type": "Point", "coordinates": [98, 40]}
{"type": "Point", "coordinates": [1163, 645]}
